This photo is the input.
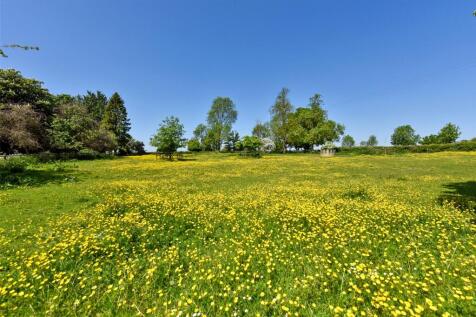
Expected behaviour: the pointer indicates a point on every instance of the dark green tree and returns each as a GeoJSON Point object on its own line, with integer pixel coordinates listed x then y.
{"type": "Point", "coordinates": [169, 137]}
{"type": "Point", "coordinates": [115, 120]}
{"type": "Point", "coordinates": [404, 135]}
{"type": "Point", "coordinates": [96, 103]}
{"type": "Point", "coordinates": [220, 119]}
{"type": "Point", "coordinates": [16, 89]}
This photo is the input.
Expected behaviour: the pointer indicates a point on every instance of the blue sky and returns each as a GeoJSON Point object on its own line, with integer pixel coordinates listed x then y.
{"type": "Point", "coordinates": [378, 64]}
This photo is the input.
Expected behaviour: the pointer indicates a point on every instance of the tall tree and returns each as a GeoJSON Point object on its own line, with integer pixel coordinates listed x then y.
{"type": "Point", "coordinates": [220, 120]}
{"type": "Point", "coordinates": [169, 137]}
{"type": "Point", "coordinates": [280, 113]}
{"type": "Point", "coordinates": [115, 120]}
{"type": "Point", "coordinates": [262, 130]}
{"type": "Point", "coordinates": [310, 126]}
{"type": "Point", "coordinates": [200, 135]}
{"type": "Point", "coordinates": [96, 103]}
{"type": "Point", "coordinates": [404, 135]}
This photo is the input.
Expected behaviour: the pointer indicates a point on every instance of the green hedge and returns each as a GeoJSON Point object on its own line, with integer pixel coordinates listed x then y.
{"type": "Point", "coordinates": [382, 150]}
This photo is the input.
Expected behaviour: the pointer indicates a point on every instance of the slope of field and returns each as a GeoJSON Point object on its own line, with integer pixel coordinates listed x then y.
{"type": "Point", "coordinates": [218, 235]}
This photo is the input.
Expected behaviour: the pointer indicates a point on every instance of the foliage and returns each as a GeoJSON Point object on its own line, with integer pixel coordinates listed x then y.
{"type": "Point", "coordinates": [70, 128]}
{"type": "Point", "coordinates": [169, 137]}
{"type": "Point", "coordinates": [115, 120]}
{"type": "Point", "coordinates": [21, 129]}
{"type": "Point", "coordinates": [16, 89]}
{"type": "Point", "coordinates": [286, 235]}
{"type": "Point", "coordinates": [372, 141]}
{"type": "Point", "coordinates": [231, 141]}
{"type": "Point", "coordinates": [220, 119]}
{"type": "Point", "coordinates": [449, 133]}
{"type": "Point", "coordinates": [193, 145]}
{"type": "Point", "coordinates": [268, 145]}
{"type": "Point", "coordinates": [430, 139]}
{"type": "Point", "coordinates": [404, 135]}
{"type": "Point", "coordinates": [14, 164]}
{"type": "Point", "coordinates": [348, 141]}
{"type": "Point", "coordinates": [23, 47]}
{"type": "Point", "coordinates": [262, 130]}
{"type": "Point", "coordinates": [102, 141]}
{"type": "Point", "coordinates": [200, 135]}
{"type": "Point", "coordinates": [135, 147]}
{"type": "Point", "coordinates": [96, 104]}
{"type": "Point", "coordinates": [464, 146]}
{"type": "Point", "coordinates": [280, 114]}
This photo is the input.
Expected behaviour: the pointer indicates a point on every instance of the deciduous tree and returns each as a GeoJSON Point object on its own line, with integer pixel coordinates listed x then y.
{"type": "Point", "coordinates": [169, 137]}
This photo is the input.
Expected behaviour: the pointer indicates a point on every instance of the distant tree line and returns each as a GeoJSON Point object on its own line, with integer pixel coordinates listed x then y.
{"type": "Point", "coordinates": [301, 129]}
{"type": "Point", "coordinates": [34, 120]}
{"type": "Point", "coordinates": [405, 135]}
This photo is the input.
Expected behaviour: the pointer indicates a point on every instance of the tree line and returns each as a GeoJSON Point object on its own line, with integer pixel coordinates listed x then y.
{"type": "Point", "coordinates": [34, 120]}
{"type": "Point", "coordinates": [302, 128]}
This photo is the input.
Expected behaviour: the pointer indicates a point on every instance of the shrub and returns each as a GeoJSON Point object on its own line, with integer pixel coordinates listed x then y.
{"type": "Point", "coordinates": [16, 164]}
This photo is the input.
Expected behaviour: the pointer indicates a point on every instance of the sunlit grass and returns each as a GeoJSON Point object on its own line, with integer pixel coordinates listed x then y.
{"type": "Point", "coordinates": [293, 235]}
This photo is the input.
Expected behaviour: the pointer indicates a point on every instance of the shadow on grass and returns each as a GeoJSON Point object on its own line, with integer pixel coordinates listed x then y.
{"type": "Point", "coordinates": [460, 195]}
{"type": "Point", "coordinates": [33, 177]}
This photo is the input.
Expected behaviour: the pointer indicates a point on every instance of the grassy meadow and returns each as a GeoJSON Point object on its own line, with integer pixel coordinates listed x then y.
{"type": "Point", "coordinates": [219, 235]}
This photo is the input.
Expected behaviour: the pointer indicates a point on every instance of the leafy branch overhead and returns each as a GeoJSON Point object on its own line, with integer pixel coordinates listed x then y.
{"type": "Point", "coordinates": [23, 47]}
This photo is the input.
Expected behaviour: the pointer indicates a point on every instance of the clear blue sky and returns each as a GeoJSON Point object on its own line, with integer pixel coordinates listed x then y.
{"type": "Point", "coordinates": [377, 63]}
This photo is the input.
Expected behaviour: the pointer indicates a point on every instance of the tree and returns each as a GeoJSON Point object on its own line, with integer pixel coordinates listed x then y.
{"type": "Point", "coordinates": [310, 126]}
{"type": "Point", "coordinates": [220, 119]}
{"type": "Point", "coordinates": [200, 135]}
{"type": "Point", "coordinates": [21, 129]}
{"type": "Point", "coordinates": [16, 89]}
{"type": "Point", "coordinates": [193, 145]}
{"type": "Point", "coordinates": [372, 141]}
{"type": "Point", "coordinates": [69, 127]}
{"type": "Point", "coordinates": [404, 135]}
{"type": "Point", "coordinates": [449, 133]}
{"type": "Point", "coordinates": [262, 130]}
{"type": "Point", "coordinates": [348, 141]}
{"type": "Point", "coordinates": [251, 143]}
{"type": "Point", "coordinates": [169, 137]}
{"type": "Point", "coordinates": [280, 114]}
{"type": "Point", "coordinates": [115, 120]}
{"type": "Point", "coordinates": [100, 140]}
{"type": "Point", "coordinates": [230, 142]}
{"type": "Point", "coordinates": [96, 104]}
{"type": "Point", "coordinates": [430, 139]}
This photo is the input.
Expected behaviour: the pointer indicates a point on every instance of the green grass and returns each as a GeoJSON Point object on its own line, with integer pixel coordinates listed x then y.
{"type": "Point", "coordinates": [272, 236]}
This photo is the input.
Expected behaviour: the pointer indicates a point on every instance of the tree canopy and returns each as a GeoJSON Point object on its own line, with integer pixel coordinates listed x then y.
{"type": "Point", "coordinates": [404, 135]}
{"type": "Point", "coordinates": [220, 119]}
{"type": "Point", "coordinates": [169, 137]}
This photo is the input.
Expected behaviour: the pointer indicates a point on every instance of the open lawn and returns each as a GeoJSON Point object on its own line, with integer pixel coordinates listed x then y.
{"type": "Point", "coordinates": [219, 235]}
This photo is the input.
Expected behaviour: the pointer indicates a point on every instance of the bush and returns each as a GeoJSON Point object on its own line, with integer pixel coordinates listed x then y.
{"type": "Point", "coordinates": [88, 154]}
{"type": "Point", "coordinates": [16, 164]}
